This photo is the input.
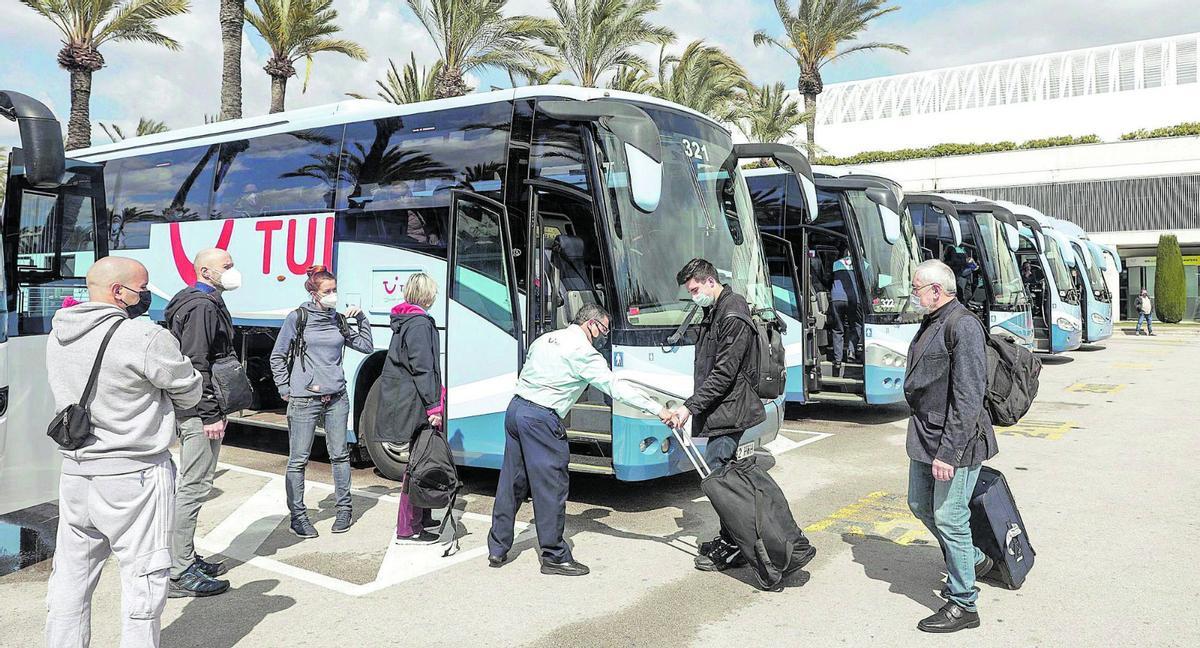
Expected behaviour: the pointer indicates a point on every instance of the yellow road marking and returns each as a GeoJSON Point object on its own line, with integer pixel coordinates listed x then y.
{"type": "Point", "coordinates": [879, 514]}
{"type": "Point", "coordinates": [1095, 388]}
{"type": "Point", "coordinates": [1035, 429]}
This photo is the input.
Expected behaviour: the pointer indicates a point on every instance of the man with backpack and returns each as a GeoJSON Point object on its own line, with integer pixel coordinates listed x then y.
{"type": "Point", "coordinates": [198, 318]}
{"type": "Point", "coordinates": [725, 402]}
{"type": "Point", "coordinates": [949, 435]}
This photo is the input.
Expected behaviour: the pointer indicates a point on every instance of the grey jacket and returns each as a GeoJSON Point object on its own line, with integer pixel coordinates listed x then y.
{"type": "Point", "coordinates": [319, 371]}
{"type": "Point", "coordinates": [143, 379]}
{"type": "Point", "coordinates": [945, 388]}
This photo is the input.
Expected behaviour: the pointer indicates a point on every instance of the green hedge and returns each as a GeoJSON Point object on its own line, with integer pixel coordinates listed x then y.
{"type": "Point", "coordinates": [1178, 130]}
{"type": "Point", "coordinates": [945, 150]}
{"type": "Point", "coordinates": [1170, 293]}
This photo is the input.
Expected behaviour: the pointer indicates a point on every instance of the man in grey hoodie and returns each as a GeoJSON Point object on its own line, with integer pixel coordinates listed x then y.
{"type": "Point", "coordinates": [117, 492]}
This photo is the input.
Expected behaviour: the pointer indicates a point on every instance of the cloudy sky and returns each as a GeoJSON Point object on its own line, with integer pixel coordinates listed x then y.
{"type": "Point", "coordinates": [181, 87]}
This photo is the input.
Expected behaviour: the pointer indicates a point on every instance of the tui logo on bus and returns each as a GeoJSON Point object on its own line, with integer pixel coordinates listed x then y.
{"type": "Point", "coordinates": [297, 263]}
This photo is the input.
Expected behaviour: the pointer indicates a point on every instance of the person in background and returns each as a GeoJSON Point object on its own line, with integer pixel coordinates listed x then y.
{"type": "Point", "coordinates": [949, 436]}
{"type": "Point", "coordinates": [411, 399]}
{"type": "Point", "coordinates": [307, 365]}
{"type": "Point", "coordinates": [845, 311]}
{"type": "Point", "coordinates": [559, 366]}
{"type": "Point", "coordinates": [198, 318]}
{"type": "Point", "coordinates": [117, 492]}
{"type": "Point", "coordinates": [1145, 307]}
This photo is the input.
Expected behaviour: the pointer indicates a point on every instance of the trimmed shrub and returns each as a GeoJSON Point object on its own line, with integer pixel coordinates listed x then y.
{"type": "Point", "coordinates": [1170, 293]}
{"type": "Point", "coordinates": [1178, 130]}
{"type": "Point", "coordinates": [945, 150]}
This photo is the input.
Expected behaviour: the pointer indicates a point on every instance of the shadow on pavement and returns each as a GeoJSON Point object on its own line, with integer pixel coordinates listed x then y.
{"type": "Point", "coordinates": [1056, 359]}
{"type": "Point", "coordinates": [240, 610]}
{"type": "Point", "coordinates": [903, 567]}
{"type": "Point", "coordinates": [1090, 348]}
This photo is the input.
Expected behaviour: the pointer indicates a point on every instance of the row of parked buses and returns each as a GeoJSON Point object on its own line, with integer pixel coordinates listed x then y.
{"type": "Point", "coordinates": [1031, 277]}
{"type": "Point", "coordinates": [529, 203]}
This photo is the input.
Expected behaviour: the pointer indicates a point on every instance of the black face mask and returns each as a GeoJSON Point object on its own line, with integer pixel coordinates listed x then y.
{"type": "Point", "coordinates": [143, 304]}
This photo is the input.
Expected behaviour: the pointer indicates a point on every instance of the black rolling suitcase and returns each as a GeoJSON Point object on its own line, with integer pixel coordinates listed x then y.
{"type": "Point", "coordinates": [755, 512]}
{"type": "Point", "coordinates": [998, 531]}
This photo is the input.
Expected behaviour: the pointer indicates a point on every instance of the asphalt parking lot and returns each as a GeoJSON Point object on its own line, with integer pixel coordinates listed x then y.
{"type": "Point", "coordinates": [1103, 469]}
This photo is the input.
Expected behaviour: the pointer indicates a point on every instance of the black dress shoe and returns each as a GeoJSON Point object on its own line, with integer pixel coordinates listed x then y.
{"type": "Point", "coordinates": [982, 569]}
{"type": "Point", "coordinates": [569, 568]}
{"type": "Point", "coordinates": [951, 618]}
{"type": "Point", "coordinates": [497, 561]}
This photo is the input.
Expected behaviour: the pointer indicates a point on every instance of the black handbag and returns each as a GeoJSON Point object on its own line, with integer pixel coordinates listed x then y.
{"type": "Point", "coordinates": [73, 426]}
{"type": "Point", "coordinates": [231, 385]}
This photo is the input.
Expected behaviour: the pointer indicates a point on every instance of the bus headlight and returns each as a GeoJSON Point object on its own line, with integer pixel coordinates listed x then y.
{"type": "Point", "coordinates": [1098, 318]}
{"type": "Point", "coordinates": [884, 357]}
{"type": "Point", "coordinates": [1066, 324]}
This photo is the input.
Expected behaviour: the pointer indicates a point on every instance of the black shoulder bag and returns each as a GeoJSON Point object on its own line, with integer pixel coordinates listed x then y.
{"type": "Point", "coordinates": [73, 426]}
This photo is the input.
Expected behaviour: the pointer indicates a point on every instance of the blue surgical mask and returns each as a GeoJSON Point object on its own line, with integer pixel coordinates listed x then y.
{"type": "Point", "coordinates": [703, 299]}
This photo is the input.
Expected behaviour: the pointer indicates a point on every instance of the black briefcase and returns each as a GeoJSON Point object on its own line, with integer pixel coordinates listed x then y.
{"type": "Point", "coordinates": [998, 531]}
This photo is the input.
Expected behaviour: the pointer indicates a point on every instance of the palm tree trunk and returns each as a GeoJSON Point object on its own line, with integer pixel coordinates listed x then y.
{"type": "Point", "coordinates": [79, 128]}
{"type": "Point", "coordinates": [810, 106]}
{"type": "Point", "coordinates": [278, 92]}
{"type": "Point", "coordinates": [232, 15]}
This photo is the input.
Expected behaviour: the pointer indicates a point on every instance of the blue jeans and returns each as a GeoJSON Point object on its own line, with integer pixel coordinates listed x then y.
{"type": "Point", "coordinates": [303, 415]}
{"type": "Point", "coordinates": [719, 451]}
{"type": "Point", "coordinates": [943, 507]}
{"type": "Point", "coordinates": [1149, 326]}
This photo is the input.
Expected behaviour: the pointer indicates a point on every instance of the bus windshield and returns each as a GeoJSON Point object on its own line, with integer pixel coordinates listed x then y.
{"type": "Point", "coordinates": [887, 267]}
{"type": "Point", "coordinates": [999, 261]}
{"type": "Point", "coordinates": [1094, 271]}
{"type": "Point", "coordinates": [1058, 266]}
{"type": "Point", "coordinates": [705, 211]}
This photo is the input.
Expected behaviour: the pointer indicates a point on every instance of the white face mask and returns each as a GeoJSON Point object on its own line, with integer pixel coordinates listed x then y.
{"type": "Point", "coordinates": [703, 299]}
{"type": "Point", "coordinates": [231, 279]}
{"type": "Point", "coordinates": [329, 301]}
{"type": "Point", "coordinates": [914, 302]}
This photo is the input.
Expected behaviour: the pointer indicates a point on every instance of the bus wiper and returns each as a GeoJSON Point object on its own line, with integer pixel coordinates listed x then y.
{"type": "Point", "coordinates": [673, 339]}
{"type": "Point", "coordinates": [709, 225]}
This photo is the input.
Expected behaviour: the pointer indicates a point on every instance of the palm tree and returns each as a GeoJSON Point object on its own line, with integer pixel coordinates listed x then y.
{"type": "Point", "coordinates": [770, 115]}
{"type": "Point", "coordinates": [471, 34]}
{"type": "Point", "coordinates": [704, 78]}
{"type": "Point", "coordinates": [145, 127]}
{"type": "Point", "coordinates": [631, 79]}
{"type": "Point", "coordinates": [231, 16]}
{"type": "Point", "coordinates": [88, 24]}
{"type": "Point", "coordinates": [812, 38]}
{"type": "Point", "coordinates": [297, 29]}
{"type": "Point", "coordinates": [595, 36]}
{"type": "Point", "coordinates": [412, 85]}
{"type": "Point", "coordinates": [536, 77]}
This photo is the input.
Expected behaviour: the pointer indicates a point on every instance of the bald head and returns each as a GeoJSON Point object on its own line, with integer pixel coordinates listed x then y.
{"type": "Point", "coordinates": [210, 264]}
{"type": "Point", "coordinates": [112, 277]}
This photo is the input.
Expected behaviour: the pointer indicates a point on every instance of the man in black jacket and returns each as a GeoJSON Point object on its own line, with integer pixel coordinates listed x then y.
{"type": "Point", "coordinates": [199, 318]}
{"type": "Point", "coordinates": [949, 435]}
{"type": "Point", "coordinates": [724, 404]}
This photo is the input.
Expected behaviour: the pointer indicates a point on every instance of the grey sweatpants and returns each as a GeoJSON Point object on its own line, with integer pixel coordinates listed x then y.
{"type": "Point", "coordinates": [197, 465]}
{"type": "Point", "coordinates": [128, 515]}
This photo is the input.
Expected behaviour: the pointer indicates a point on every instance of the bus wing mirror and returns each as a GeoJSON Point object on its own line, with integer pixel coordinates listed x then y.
{"type": "Point", "coordinates": [41, 138]}
{"type": "Point", "coordinates": [639, 137]}
{"type": "Point", "coordinates": [791, 158]}
{"type": "Point", "coordinates": [890, 221]}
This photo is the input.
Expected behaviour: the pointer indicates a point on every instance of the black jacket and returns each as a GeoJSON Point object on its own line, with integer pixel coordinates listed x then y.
{"type": "Point", "coordinates": [724, 400]}
{"type": "Point", "coordinates": [204, 328]}
{"type": "Point", "coordinates": [945, 388]}
{"type": "Point", "coordinates": [411, 382]}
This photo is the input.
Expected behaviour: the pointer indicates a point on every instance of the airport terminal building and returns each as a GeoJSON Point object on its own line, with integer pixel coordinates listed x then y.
{"type": "Point", "coordinates": [1125, 193]}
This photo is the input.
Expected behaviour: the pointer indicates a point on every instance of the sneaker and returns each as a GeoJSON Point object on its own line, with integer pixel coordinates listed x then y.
{"type": "Point", "coordinates": [722, 555]}
{"type": "Point", "coordinates": [303, 528]}
{"type": "Point", "coordinates": [209, 569]}
{"type": "Point", "coordinates": [342, 522]}
{"type": "Point", "coordinates": [194, 582]}
{"type": "Point", "coordinates": [420, 537]}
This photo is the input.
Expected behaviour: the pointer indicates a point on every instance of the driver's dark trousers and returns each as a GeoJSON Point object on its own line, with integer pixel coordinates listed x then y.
{"type": "Point", "coordinates": [536, 455]}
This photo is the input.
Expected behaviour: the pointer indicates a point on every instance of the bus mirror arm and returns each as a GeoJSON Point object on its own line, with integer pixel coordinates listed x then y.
{"type": "Point", "coordinates": [41, 138]}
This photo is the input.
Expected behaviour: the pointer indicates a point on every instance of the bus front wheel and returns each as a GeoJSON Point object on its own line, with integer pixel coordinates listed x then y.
{"type": "Point", "coordinates": [390, 458]}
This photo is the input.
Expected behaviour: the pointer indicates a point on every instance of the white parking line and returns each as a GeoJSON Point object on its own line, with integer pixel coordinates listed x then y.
{"type": "Point", "coordinates": [240, 535]}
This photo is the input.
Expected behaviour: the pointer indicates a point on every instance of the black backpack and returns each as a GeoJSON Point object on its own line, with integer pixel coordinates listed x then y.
{"type": "Point", "coordinates": [432, 482]}
{"type": "Point", "coordinates": [1013, 373]}
{"type": "Point", "coordinates": [769, 371]}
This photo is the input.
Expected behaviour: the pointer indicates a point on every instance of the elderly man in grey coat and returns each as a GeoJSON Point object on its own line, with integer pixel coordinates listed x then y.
{"type": "Point", "coordinates": [949, 435]}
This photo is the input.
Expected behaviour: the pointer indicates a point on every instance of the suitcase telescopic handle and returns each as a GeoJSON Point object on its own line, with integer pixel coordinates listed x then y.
{"type": "Point", "coordinates": [691, 451]}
